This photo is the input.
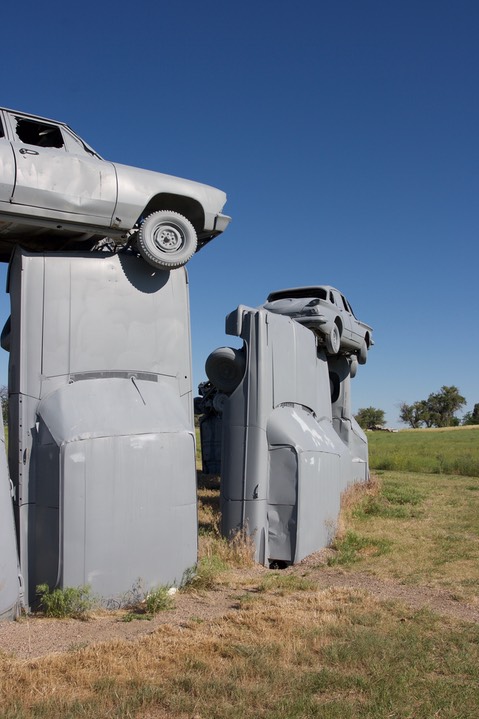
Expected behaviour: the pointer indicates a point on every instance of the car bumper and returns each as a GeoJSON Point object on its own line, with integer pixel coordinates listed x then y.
{"type": "Point", "coordinates": [221, 223]}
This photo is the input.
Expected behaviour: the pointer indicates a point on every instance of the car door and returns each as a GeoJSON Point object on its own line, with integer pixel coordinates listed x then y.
{"type": "Point", "coordinates": [7, 165]}
{"type": "Point", "coordinates": [56, 174]}
{"type": "Point", "coordinates": [357, 331]}
{"type": "Point", "coordinates": [343, 312]}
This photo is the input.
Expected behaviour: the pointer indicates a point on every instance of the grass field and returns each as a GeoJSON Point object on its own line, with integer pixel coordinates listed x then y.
{"type": "Point", "coordinates": [291, 650]}
{"type": "Point", "coordinates": [441, 451]}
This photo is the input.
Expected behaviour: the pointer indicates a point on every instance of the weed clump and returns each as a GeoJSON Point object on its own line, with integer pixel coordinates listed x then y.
{"type": "Point", "coordinates": [70, 602]}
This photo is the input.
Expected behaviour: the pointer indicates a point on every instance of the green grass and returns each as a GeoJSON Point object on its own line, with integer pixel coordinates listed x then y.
{"type": "Point", "coordinates": [446, 451]}
{"type": "Point", "coordinates": [290, 650]}
{"type": "Point", "coordinates": [425, 529]}
{"type": "Point", "coordinates": [352, 546]}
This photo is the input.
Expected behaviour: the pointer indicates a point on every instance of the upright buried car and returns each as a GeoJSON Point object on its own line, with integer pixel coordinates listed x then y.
{"type": "Point", "coordinates": [328, 314]}
{"type": "Point", "coordinates": [56, 192]}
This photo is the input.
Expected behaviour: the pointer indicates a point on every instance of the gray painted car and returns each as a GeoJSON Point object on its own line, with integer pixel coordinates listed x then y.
{"type": "Point", "coordinates": [328, 313]}
{"type": "Point", "coordinates": [56, 193]}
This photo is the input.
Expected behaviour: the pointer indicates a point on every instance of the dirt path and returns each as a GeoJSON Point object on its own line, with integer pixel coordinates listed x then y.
{"type": "Point", "coordinates": [36, 637]}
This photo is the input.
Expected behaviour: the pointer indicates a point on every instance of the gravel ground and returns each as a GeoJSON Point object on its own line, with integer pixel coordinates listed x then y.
{"type": "Point", "coordinates": [35, 636]}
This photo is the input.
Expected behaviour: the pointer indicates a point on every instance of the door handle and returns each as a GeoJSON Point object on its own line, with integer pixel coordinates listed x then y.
{"type": "Point", "coordinates": [24, 151]}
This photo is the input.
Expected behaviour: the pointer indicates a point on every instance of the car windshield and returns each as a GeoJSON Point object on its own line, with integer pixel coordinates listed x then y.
{"type": "Point", "coordinates": [298, 293]}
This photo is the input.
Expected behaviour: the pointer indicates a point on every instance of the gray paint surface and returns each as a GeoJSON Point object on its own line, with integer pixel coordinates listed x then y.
{"type": "Point", "coordinates": [102, 448]}
{"type": "Point", "coordinates": [55, 189]}
{"type": "Point", "coordinates": [288, 451]}
{"type": "Point", "coordinates": [9, 567]}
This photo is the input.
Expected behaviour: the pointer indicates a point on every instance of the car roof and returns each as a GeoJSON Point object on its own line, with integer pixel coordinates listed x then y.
{"type": "Point", "coordinates": [34, 117]}
{"type": "Point", "coordinates": [300, 292]}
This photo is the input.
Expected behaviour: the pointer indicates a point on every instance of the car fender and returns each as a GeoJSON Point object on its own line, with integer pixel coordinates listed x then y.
{"type": "Point", "coordinates": [137, 188]}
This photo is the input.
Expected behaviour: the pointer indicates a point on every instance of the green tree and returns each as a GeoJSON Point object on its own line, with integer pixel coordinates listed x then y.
{"type": "Point", "coordinates": [472, 417]}
{"type": "Point", "coordinates": [370, 417]}
{"type": "Point", "coordinates": [444, 404]}
{"type": "Point", "coordinates": [415, 415]}
{"type": "Point", "coordinates": [438, 410]}
{"type": "Point", "coordinates": [4, 401]}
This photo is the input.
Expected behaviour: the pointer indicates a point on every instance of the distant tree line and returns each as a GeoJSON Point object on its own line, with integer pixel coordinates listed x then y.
{"type": "Point", "coordinates": [4, 401]}
{"type": "Point", "coordinates": [438, 410]}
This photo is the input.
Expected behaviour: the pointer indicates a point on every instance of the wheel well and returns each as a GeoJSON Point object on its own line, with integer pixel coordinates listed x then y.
{"type": "Point", "coordinates": [186, 206]}
{"type": "Point", "coordinates": [339, 325]}
{"type": "Point", "coordinates": [367, 338]}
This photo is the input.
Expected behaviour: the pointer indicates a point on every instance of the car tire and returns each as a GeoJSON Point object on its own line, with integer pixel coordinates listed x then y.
{"type": "Point", "coordinates": [363, 353]}
{"type": "Point", "coordinates": [353, 366]}
{"type": "Point", "coordinates": [225, 368]}
{"type": "Point", "coordinates": [333, 340]}
{"type": "Point", "coordinates": [167, 240]}
{"type": "Point", "coordinates": [219, 401]}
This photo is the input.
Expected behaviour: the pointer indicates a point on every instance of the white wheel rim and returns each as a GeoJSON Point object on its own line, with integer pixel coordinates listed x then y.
{"type": "Point", "coordinates": [168, 238]}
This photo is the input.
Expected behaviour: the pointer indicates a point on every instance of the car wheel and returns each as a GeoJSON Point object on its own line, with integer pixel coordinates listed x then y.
{"type": "Point", "coordinates": [333, 340]}
{"type": "Point", "coordinates": [353, 366]}
{"type": "Point", "coordinates": [167, 240]}
{"type": "Point", "coordinates": [219, 401]}
{"type": "Point", "coordinates": [225, 368]}
{"type": "Point", "coordinates": [363, 353]}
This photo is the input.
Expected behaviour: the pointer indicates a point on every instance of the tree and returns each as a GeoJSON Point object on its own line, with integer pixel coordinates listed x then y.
{"type": "Point", "coordinates": [437, 410]}
{"type": "Point", "coordinates": [415, 415]}
{"type": "Point", "coordinates": [4, 401]}
{"type": "Point", "coordinates": [370, 417]}
{"type": "Point", "coordinates": [444, 404]}
{"type": "Point", "coordinates": [472, 417]}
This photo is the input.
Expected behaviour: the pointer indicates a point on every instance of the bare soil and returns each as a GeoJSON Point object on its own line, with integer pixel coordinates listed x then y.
{"type": "Point", "coordinates": [36, 636]}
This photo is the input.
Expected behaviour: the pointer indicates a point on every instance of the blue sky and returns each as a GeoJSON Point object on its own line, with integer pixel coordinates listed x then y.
{"type": "Point", "coordinates": [345, 134]}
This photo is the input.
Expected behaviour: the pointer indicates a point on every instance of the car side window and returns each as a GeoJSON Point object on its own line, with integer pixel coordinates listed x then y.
{"type": "Point", "coordinates": [33, 132]}
{"type": "Point", "coordinates": [75, 145]}
{"type": "Point", "coordinates": [345, 303]}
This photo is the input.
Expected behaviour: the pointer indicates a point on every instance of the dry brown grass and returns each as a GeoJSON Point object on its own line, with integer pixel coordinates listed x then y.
{"type": "Point", "coordinates": [163, 656]}
{"type": "Point", "coordinates": [292, 653]}
{"type": "Point", "coordinates": [350, 498]}
{"type": "Point", "coordinates": [289, 649]}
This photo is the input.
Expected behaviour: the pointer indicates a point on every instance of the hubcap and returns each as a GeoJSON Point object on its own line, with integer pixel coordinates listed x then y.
{"type": "Point", "coordinates": [168, 238]}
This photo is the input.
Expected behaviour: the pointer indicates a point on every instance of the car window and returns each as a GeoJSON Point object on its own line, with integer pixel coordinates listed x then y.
{"type": "Point", "coordinates": [345, 303]}
{"type": "Point", "coordinates": [351, 310]}
{"type": "Point", "coordinates": [76, 145]}
{"type": "Point", "coordinates": [41, 134]}
{"type": "Point", "coordinates": [298, 293]}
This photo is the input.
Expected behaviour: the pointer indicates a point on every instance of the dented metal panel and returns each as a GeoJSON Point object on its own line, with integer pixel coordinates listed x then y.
{"type": "Point", "coordinates": [101, 421]}
{"type": "Point", "coordinates": [289, 446]}
{"type": "Point", "coordinates": [9, 567]}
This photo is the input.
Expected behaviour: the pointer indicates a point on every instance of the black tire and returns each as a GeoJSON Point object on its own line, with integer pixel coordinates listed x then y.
{"type": "Point", "coordinates": [335, 386]}
{"type": "Point", "coordinates": [167, 240]}
{"type": "Point", "coordinates": [225, 368]}
{"type": "Point", "coordinates": [363, 353]}
{"type": "Point", "coordinates": [333, 340]}
{"type": "Point", "coordinates": [219, 402]}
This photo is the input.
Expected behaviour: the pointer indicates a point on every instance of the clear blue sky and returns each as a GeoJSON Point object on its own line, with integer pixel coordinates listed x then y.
{"type": "Point", "coordinates": [344, 132]}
